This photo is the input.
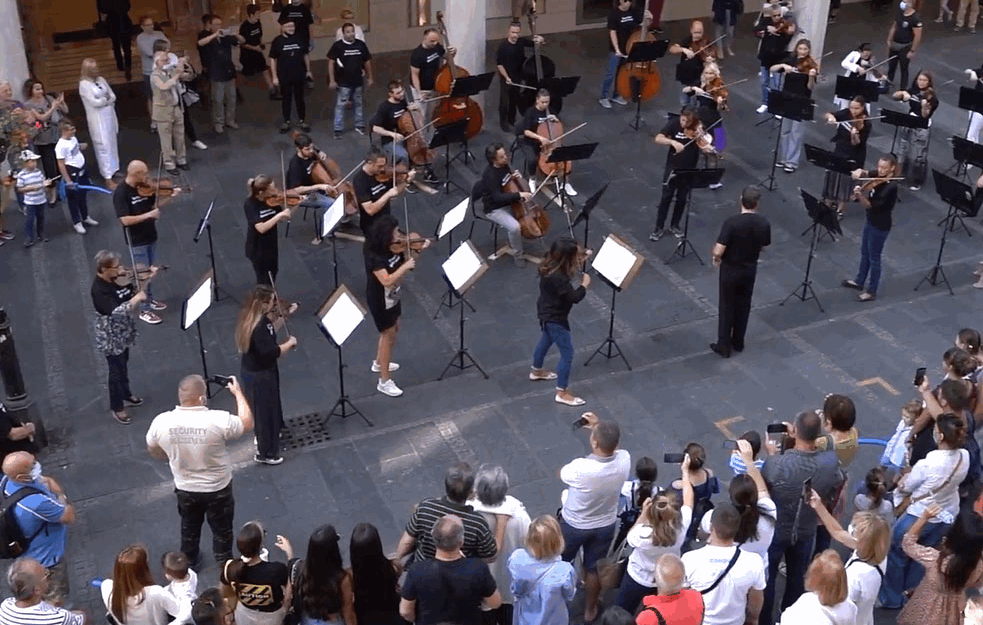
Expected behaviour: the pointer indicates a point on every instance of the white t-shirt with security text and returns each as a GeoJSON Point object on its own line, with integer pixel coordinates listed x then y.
{"type": "Point", "coordinates": [725, 604]}
{"type": "Point", "coordinates": [594, 484]}
{"type": "Point", "coordinates": [194, 440]}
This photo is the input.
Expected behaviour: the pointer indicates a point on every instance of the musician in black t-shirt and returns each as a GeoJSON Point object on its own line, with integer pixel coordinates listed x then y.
{"type": "Point", "coordinates": [680, 134]}
{"type": "Point", "coordinates": [262, 248]}
{"type": "Point", "coordinates": [349, 67]}
{"type": "Point", "coordinates": [531, 143]}
{"type": "Point", "coordinates": [251, 50]}
{"type": "Point", "coordinates": [623, 20]}
{"type": "Point", "coordinates": [374, 195]}
{"type": "Point", "coordinates": [259, 374]}
{"type": "Point", "coordinates": [914, 141]}
{"type": "Point", "coordinates": [736, 254]}
{"type": "Point", "coordinates": [691, 59]}
{"type": "Point", "coordinates": [903, 40]}
{"type": "Point", "coordinates": [426, 61]}
{"type": "Point", "coordinates": [509, 59]}
{"type": "Point", "coordinates": [300, 181]}
{"type": "Point", "coordinates": [775, 33]}
{"type": "Point", "coordinates": [850, 142]}
{"type": "Point", "coordinates": [498, 203]}
{"type": "Point", "coordinates": [138, 214]}
{"type": "Point", "coordinates": [879, 198]}
{"type": "Point", "coordinates": [385, 124]}
{"type": "Point", "coordinates": [298, 13]}
{"type": "Point", "coordinates": [799, 69]}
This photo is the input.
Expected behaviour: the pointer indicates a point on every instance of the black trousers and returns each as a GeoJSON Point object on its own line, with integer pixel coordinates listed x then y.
{"type": "Point", "coordinates": [736, 288]}
{"type": "Point", "coordinates": [262, 389]}
{"type": "Point", "coordinates": [508, 102]}
{"type": "Point", "coordinates": [219, 509]}
{"type": "Point", "coordinates": [673, 188]}
{"type": "Point", "coordinates": [118, 27]}
{"type": "Point", "coordinates": [530, 158]}
{"type": "Point", "coordinates": [900, 58]}
{"type": "Point", "coordinates": [119, 380]}
{"type": "Point", "coordinates": [189, 127]}
{"type": "Point", "coordinates": [293, 91]}
{"type": "Point", "coordinates": [263, 267]}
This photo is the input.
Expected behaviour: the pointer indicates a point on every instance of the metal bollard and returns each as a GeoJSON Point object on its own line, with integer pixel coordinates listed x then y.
{"type": "Point", "coordinates": [13, 381]}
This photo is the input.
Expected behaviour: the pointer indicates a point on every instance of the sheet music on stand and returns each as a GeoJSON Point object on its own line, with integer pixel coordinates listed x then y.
{"type": "Point", "coordinates": [340, 314]}
{"type": "Point", "coordinates": [617, 262]}
{"type": "Point", "coordinates": [453, 218]}
{"type": "Point", "coordinates": [464, 267]}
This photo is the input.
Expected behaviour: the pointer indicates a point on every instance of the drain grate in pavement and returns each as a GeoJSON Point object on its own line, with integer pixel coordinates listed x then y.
{"type": "Point", "coordinates": [304, 431]}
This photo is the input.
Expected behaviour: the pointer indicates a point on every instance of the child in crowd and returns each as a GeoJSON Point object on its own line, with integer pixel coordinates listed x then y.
{"type": "Point", "coordinates": [895, 456]}
{"type": "Point", "coordinates": [737, 463]}
{"type": "Point", "coordinates": [183, 580]}
{"type": "Point", "coordinates": [872, 495]}
{"type": "Point", "coordinates": [635, 492]}
{"type": "Point", "coordinates": [31, 183]}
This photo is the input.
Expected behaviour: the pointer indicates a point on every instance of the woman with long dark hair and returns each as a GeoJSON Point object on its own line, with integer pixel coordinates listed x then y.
{"type": "Point", "coordinates": [262, 249]}
{"type": "Point", "coordinates": [133, 598]}
{"type": "Point", "coordinates": [374, 578]}
{"type": "Point", "coordinates": [913, 152]}
{"type": "Point", "coordinates": [322, 587]}
{"type": "Point", "coordinates": [850, 141]}
{"type": "Point", "coordinates": [257, 342]}
{"type": "Point", "coordinates": [556, 297]}
{"type": "Point", "coordinates": [259, 585]}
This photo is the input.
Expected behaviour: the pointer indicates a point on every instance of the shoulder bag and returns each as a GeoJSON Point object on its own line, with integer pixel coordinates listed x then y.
{"type": "Point", "coordinates": [730, 565]}
{"type": "Point", "coordinates": [907, 500]}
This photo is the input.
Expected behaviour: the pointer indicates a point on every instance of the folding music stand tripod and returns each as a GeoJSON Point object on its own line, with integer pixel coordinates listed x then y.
{"type": "Point", "coordinates": [465, 87]}
{"type": "Point", "coordinates": [205, 226]}
{"type": "Point", "coordinates": [822, 217]}
{"type": "Point", "coordinates": [784, 105]}
{"type": "Point", "coordinates": [643, 52]}
{"type": "Point", "coordinates": [959, 197]}
{"type": "Point", "coordinates": [695, 179]}
{"type": "Point", "coordinates": [443, 137]}
{"type": "Point", "coordinates": [832, 163]}
{"type": "Point", "coordinates": [900, 119]}
{"type": "Point", "coordinates": [563, 154]}
{"type": "Point", "coordinates": [965, 153]}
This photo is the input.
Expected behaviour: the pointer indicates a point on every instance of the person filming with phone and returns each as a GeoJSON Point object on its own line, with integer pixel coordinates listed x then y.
{"type": "Point", "coordinates": [788, 476]}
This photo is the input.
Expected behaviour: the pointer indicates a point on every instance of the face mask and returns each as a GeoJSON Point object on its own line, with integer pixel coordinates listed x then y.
{"type": "Point", "coordinates": [36, 471]}
{"type": "Point", "coordinates": [902, 5]}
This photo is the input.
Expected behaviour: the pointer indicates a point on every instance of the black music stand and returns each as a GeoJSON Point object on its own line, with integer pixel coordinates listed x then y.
{"type": "Point", "coordinates": [616, 264]}
{"type": "Point", "coordinates": [643, 52]}
{"type": "Point", "coordinates": [824, 216]}
{"type": "Point", "coordinates": [460, 271]}
{"type": "Point", "coordinates": [849, 87]}
{"type": "Point", "coordinates": [563, 154]}
{"type": "Point", "coordinates": [443, 137]}
{"type": "Point", "coordinates": [832, 163]}
{"type": "Point", "coordinates": [465, 87]}
{"type": "Point", "coordinates": [965, 153]}
{"type": "Point", "coordinates": [959, 197]}
{"type": "Point", "coordinates": [560, 86]}
{"type": "Point", "coordinates": [901, 119]}
{"type": "Point", "coordinates": [337, 318]}
{"type": "Point", "coordinates": [584, 215]}
{"type": "Point", "coordinates": [970, 100]}
{"type": "Point", "coordinates": [696, 179]}
{"type": "Point", "coordinates": [785, 105]}
{"type": "Point", "coordinates": [205, 227]}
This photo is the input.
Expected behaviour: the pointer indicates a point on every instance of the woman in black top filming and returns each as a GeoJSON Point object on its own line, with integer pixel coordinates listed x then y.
{"type": "Point", "coordinates": [878, 196]}
{"type": "Point", "coordinates": [386, 264]}
{"type": "Point", "coordinates": [262, 249]}
{"type": "Point", "coordinates": [914, 141]}
{"type": "Point", "coordinates": [257, 342]}
{"type": "Point", "coordinates": [556, 297]}
{"type": "Point", "coordinates": [852, 130]}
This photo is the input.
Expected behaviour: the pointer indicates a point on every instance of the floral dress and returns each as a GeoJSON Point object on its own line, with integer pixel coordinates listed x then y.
{"type": "Point", "coordinates": [931, 602]}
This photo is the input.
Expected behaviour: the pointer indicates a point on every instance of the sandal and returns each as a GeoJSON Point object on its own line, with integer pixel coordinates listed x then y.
{"type": "Point", "coordinates": [866, 297]}
{"type": "Point", "coordinates": [576, 401]}
{"type": "Point", "coordinates": [851, 284]}
{"type": "Point", "coordinates": [541, 374]}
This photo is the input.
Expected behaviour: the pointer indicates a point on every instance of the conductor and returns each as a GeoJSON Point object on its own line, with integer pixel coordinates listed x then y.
{"type": "Point", "coordinates": [736, 254]}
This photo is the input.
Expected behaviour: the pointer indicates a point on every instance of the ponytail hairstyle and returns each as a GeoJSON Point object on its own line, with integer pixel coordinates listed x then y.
{"type": "Point", "coordinates": [744, 496]}
{"type": "Point", "coordinates": [646, 471]}
{"type": "Point", "coordinates": [258, 185]}
{"type": "Point", "coordinates": [953, 430]}
{"type": "Point", "coordinates": [253, 311]}
{"type": "Point", "coordinates": [249, 542]}
{"type": "Point", "coordinates": [969, 340]}
{"type": "Point", "coordinates": [665, 520]}
{"type": "Point", "coordinates": [875, 483]}
{"type": "Point", "coordinates": [697, 456]}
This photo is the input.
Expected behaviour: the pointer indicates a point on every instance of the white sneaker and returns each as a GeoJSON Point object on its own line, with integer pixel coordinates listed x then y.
{"type": "Point", "coordinates": [393, 366]}
{"type": "Point", "coordinates": [716, 185]}
{"type": "Point", "coordinates": [388, 388]}
{"type": "Point", "coordinates": [89, 221]}
{"type": "Point", "coordinates": [761, 109]}
{"type": "Point", "coordinates": [605, 103]}
{"type": "Point", "coordinates": [199, 145]}
{"type": "Point", "coordinates": [79, 228]}
{"type": "Point", "coordinates": [569, 190]}
{"type": "Point", "coordinates": [619, 100]}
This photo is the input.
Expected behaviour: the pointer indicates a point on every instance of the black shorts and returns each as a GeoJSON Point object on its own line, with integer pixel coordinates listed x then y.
{"type": "Point", "coordinates": [383, 317]}
{"type": "Point", "coordinates": [252, 62]}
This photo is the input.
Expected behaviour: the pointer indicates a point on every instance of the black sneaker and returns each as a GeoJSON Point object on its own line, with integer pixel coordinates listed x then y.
{"type": "Point", "coordinates": [337, 134]}
{"type": "Point", "coordinates": [133, 400]}
{"type": "Point", "coordinates": [304, 126]}
{"type": "Point", "coordinates": [285, 127]}
{"type": "Point", "coordinates": [184, 166]}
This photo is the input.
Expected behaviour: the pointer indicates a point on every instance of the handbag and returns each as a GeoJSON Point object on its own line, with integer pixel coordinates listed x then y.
{"type": "Point", "coordinates": [907, 500]}
{"type": "Point", "coordinates": [189, 96]}
{"type": "Point", "coordinates": [611, 568]}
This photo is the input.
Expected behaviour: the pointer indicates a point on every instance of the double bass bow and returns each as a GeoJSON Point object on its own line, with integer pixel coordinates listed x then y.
{"type": "Point", "coordinates": [643, 76]}
{"type": "Point", "coordinates": [454, 109]}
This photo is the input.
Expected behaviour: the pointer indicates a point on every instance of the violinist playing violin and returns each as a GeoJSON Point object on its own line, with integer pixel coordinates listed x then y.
{"type": "Point", "coordinates": [498, 202]}
{"type": "Point", "coordinates": [115, 297]}
{"type": "Point", "coordinates": [710, 101]}
{"type": "Point", "coordinates": [300, 181]}
{"type": "Point", "coordinates": [914, 141]}
{"type": "Point", "coordinates": [693, 53]}
{"type": "Point", "coordinates": [509, 58]}
{"type": "Point", "coordinates": [859, 62]}
{"type": "Point", "coordinates": [262, 218]}
{"type": "Point", "coordinates": [531, 143]}
{"type": "Point", "coordinates": [800, 71]}
{"type": "Point", "coordinates": [878, 194]}
{"type": "Point", "coordinates": [852, 130]}
{"type": "Point", "coordinates": [686, 139]}
{"type": "Point", "coordinates": [385, 124]}
{"type": "Point", "coordinates": [376, 185]}
{"type": "Point", "coordinates": [775, 33]}
{"type": "Point", "coordinates": [138, 209]}
{"type": "Point", "coordinates": [387, 261]}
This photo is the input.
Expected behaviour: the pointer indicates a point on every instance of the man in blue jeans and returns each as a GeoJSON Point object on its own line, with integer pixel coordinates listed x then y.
{"type": "Point", "coordinates": [623, 20]}
{"type": "Point", "coordinates": [590, 510]}
{"type": "Point", "coordinates": [349, 67]}
{"type": "Point", "coordinates": [138, 214]}
{"type": "Point", "coordinates": [787, 475]}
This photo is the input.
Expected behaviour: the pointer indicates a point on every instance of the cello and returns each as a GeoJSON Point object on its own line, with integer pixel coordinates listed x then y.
{"type": "Point", "coordinates": [452, 110]}
{"type": "Point", "coordinates": [327, 171]}
{"type": "Point", "coordinates": [533, 220]}
{"type": "Point", "coordinates": [537, 68]}
{"type": "Point", "coordinates": [409, 124]}
{"type": "Point", "coordinates": [643, 74]}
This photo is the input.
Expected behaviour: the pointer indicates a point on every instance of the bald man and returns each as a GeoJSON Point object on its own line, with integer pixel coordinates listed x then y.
{"type": "Point", "coordinates": [42, 513]}
{"type": "Point", "coordinates": [676, 605]}
{"type": "Point", "coordinates": [138, 215]}
{"type": "Point", "coordinates": [192, 438]}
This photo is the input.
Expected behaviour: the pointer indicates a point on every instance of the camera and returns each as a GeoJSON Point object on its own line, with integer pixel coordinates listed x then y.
{"type": "Point", "coordinates": [579, 423]}
{"type": "Point", "coordinates": [777, 428]}
{"type": "Point", "coordinates": [220, 380]}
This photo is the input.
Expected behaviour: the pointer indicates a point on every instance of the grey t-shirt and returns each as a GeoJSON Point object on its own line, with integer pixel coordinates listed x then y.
{"type": "Point", "coordinates": [785, 475]}
{"type": "Point", "coordinates": [145, 44]}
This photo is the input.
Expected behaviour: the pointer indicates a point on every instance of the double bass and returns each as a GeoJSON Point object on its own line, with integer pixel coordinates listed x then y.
{"type": "Point", "coordinates": [537, 68]}
{"type": "Point", "coordinates": [643, 74]}
{"type": "Point", "coordinates": [452, 110]}
{"type": "Point", "coordinates": [533, 220]}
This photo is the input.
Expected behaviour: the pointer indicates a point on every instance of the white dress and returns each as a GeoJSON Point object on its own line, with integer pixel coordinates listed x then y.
{"type": "Point", "coordinates": [100, 113]}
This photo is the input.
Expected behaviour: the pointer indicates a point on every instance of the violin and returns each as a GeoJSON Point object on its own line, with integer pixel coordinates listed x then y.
{"type": "Point", "coordinates": [143, 274]}
{"type": "Point", "coordinates": [288, 199]}
{"type": "Point", "coordinates": [396, 175]}
{"type": "Point", "coordinates": [533, 220]}
{"type": "Point", "coordinates": [703, 139]}
{"type": "Point", "coordinates": [409, 242]}
{"type": "Point", "coordinates": [452, 110]}
{"type": "Point", "coordinates": [162, 188]}
{"type": "Point", "coordinates": [718, 91]}
{"type": "Point", "coordinates": [806, 65]}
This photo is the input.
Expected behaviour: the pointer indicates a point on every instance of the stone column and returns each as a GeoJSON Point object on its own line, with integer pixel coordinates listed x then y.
{"type": "Point", "coordinates": [13, 60]}
{"type": "Point", "coordinates": [811, 16]}
{"type": "Point", "coordinates": [466, 30]}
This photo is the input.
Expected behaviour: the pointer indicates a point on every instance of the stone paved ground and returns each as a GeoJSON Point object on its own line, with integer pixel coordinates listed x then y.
{"type": "Point", "coordinates": [676, 392]}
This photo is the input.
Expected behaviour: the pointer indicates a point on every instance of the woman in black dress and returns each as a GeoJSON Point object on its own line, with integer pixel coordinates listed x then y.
{"type": "Point", "coordinates": [385, 268]}
{"type": "Point", "coordinates": [257, 342]}
{"type": "Point", "coordinates": [556, 297]}
{"type": "Point", "coordinates": [852, 130]}
{"type": "Point", "coordinates": [261, 235]}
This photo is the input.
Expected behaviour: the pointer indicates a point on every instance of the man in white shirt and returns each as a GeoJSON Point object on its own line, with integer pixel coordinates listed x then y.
{"type": "Point", "coordinates": [732, 580]}
{"type": "Point", "coordinates": [192, 438]}
{"type": "Point", "coordinates": [71, 166]}
{"type": "Point", "coordinates": [28, 584]}
{"type": "Point", "coordinates": [590, 511]}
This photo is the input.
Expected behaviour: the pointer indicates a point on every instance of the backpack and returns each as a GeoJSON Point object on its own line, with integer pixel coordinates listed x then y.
{"type": "Point", "coordinates": [13, 543]}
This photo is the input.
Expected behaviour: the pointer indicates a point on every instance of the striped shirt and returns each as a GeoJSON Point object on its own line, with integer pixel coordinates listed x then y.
{"type": "Point", "coordinates": [478, 539]}
{"type": "Point", "coordinates": [42, 613]}
{"type": "Point", "coordinates": [29, 178]}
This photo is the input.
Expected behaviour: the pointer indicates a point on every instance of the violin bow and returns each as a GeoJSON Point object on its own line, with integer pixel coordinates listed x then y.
{"type": "Point", "coordinates": [283, 177]}
{"type": "Point", "coordinates": [695, 52]}
{"type": "Point", "coordinates": [276, 298]}
{"type": "Point", "coordinates": [730, 84]}
{"type": "Point", "coordinates": [704, 131]}
{"type": "Point", "coordinates": [866, 119]}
